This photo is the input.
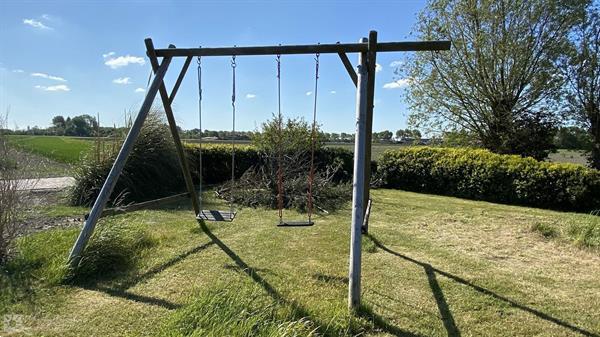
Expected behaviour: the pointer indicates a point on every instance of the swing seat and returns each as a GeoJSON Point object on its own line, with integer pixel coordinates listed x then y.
{"type": "Point", "coordinates": [214, 215]}
{"type": "Point", "coordinates": [302, 223]}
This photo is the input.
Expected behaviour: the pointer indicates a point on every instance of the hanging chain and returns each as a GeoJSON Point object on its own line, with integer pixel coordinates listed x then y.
{"type": "Point", "coordinates": [280, 145]}
{"type": "Point", "coordinates": [311, 175]}
{"type": "Point", "coordinates": [233, 65]}
{"type": "Point", "coordinates": [200, 130]}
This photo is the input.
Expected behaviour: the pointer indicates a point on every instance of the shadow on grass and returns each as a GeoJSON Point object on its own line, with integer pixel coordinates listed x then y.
{"type": "Point", "coordinates": [340, 280]}
{"type": "Point", "coordinates": [448, 320]}
{"type": "Point", "coordinates": [301, 312]}
{"type": "Point", "coordinates": [121, 290]}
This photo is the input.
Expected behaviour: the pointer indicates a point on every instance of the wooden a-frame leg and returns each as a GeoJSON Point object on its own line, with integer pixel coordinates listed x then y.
{"type": "Point", "coordinates": [117, 168]}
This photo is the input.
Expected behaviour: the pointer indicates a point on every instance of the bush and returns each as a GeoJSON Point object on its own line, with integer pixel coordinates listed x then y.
{"type": "Point", "coordinates": [216, 161]}
{"type": "Point", "coordinates": [286, 143]}
{"type": "Point", "coordinates": [152, 170]}
{"type": "Point", "coordinates": [114, 247]}
{"type": "Point", "coordinates": [483, 175]}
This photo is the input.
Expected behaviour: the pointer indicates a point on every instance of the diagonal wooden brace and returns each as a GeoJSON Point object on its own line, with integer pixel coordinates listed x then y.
{"type": "Point", "coordinates": [164, 95]}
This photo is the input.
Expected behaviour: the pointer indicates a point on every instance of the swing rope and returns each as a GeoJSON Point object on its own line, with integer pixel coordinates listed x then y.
{"type": "Point", "coordinates": [200, 128]}
{"type": "Point", "coordinates": [233, 65]}
{"type": "Point", "coordinates": [280, 147]}
{"type": "Point", "coordinates": [311, 175]}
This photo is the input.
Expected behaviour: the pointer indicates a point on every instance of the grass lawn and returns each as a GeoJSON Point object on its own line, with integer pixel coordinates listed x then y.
{"type": "Point", "coordinates": [433, 266]}
{"type": "Point", "coordinates": [61, 149]}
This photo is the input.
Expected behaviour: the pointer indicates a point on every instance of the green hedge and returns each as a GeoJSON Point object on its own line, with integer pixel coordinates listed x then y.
{"type": "Point", "coordinates": [216, 161]}
{"type": "Point", "coordinates": [483, 175]}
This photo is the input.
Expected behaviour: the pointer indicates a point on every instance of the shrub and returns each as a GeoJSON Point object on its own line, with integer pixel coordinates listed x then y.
{"type": "Point", "coordinates": [216, 161]}
{"type": "Point", "coordinates": [282, 143]}
{"type": "Point", "coordinates": [482, 175]}
{"type": "Point", "coordinates": [152, 169]}
{"type": "Point", "coordinates": [114, 247]}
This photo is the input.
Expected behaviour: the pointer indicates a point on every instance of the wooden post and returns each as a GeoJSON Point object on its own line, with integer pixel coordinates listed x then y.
{"type": "Point", "coordinates": [358, 180]}
{"type": "Point", "coordinates": [115, 171]}
{"type": "Point", "coordinates": [164, 95]}
{"type": "Point", "coordinates": [371, 65]}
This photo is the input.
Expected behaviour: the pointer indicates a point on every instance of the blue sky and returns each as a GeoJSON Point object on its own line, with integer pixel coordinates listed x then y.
{"type": "Point", "coordinates": [70, 58]}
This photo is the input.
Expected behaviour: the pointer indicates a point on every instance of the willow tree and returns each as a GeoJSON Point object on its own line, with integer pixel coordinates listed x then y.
{"type": "Point", "coordinates": [499, 82]}
{"type": "Point", "coordinates": [582, 70]}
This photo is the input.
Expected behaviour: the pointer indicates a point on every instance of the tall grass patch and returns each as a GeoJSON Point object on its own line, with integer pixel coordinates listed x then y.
{"type": "Point", "coordinates": [39, 263]}
{"type": "Point", "coordinates": [234, 311]}
{"type": "Point", "coordinates": [151, 171]}
{"type": "Point", "coordinates": [114, 248]}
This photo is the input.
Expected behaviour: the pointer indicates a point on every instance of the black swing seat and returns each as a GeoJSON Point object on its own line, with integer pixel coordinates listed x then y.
{"type": "Point", "coordinates": [304, 223]}
{"type": "Point", "coordinates": [213, 215]}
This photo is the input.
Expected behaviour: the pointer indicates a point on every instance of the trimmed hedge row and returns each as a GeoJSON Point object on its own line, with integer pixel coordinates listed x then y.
{"type": "Point", "coordinates": [483, 175]}
{"type": "Point", "coordinates": [216, 161]}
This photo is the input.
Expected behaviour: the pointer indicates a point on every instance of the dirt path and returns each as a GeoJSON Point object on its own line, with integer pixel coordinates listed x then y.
{"type": "Point", "coordinates": [46, 184]}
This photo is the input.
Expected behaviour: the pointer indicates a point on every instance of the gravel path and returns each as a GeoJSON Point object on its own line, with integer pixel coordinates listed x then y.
{"type": "Point", "coordinates": [46, 184]}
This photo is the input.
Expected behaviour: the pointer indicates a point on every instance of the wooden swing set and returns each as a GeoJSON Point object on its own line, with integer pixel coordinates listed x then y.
{"type": "Point", "coordinates": [364, 80]}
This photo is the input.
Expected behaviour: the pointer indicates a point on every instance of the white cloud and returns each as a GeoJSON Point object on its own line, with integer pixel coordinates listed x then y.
{"type": "Point", "coordinates": [140, 90]}
{"type": "Point", "coordinates": [50, 77]}
{"type": "Point", "coordinates": [18, 71]}
{"type": "Point", "coordinates": [308, 93]}
{"type": "Point", "coordinates": [395, 64]}
{"type": "Point", "coordinates": [122, 61]}
{"type": "Point", "coordinates": [36, 24]}
{"type": "Point", "coordinates": [378, 67]}
{"type": "Point", "coordinates": [122, 80]}
{"type": "Point", "coordinates": [401, 83]}
{"type": "Point", "coordinates": [250, 96]}
{"type": "Point", "coordinates": [111, 53]}
{"type": "Point", "coordinates": [333, 92]}
{"type": "Point", "coordinates": [60, 87]}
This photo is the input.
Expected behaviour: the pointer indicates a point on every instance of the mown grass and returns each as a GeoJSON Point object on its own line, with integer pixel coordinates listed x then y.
{"type": "Point", "coordinates": [62, 149]}
{"type": "Point", "coordinates": [432, 266]}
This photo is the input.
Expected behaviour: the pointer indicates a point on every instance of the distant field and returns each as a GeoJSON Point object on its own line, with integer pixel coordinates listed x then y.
{"type": "Point", "coordinates": [376, 149]}
{"type": "Point", "coordinates": [568, 156]}
{"type": "Point", "coordinates": [69, 149]}
{"type": "Point", "coordinates": [61, 149]}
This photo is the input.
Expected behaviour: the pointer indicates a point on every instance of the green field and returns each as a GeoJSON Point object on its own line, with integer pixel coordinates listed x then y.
{"type": "Point", "coordinates": [62, 149]}
{"type": "Point", "coordinates": [70, 149]}
{"type": "Point", "coordinates": [432, 266]}
{"type": "Point", "coordinates": [568, 156]}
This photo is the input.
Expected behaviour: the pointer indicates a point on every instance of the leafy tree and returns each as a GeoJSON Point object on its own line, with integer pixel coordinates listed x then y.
{"type": "Point", "coordinates": [81, 126]}
{"type": "Point", "coordinates": [383, 135]}
{"type": "Point", "coordinates": [293, 135]}
{"type": "Point", "coordinates": [408, 133]}
{"type": "Point", "coordinates": [58, 121]}
{"type": "Point", "coordinates": [582, 70]}
{"type": "Point", "coordinates": [499, 79]}
{"type": "Point", "coordinates": [573, 138]}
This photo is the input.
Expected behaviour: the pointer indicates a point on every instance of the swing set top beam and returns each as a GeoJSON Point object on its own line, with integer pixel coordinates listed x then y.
{"type": "Point", "coordinates": [334, 48]}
